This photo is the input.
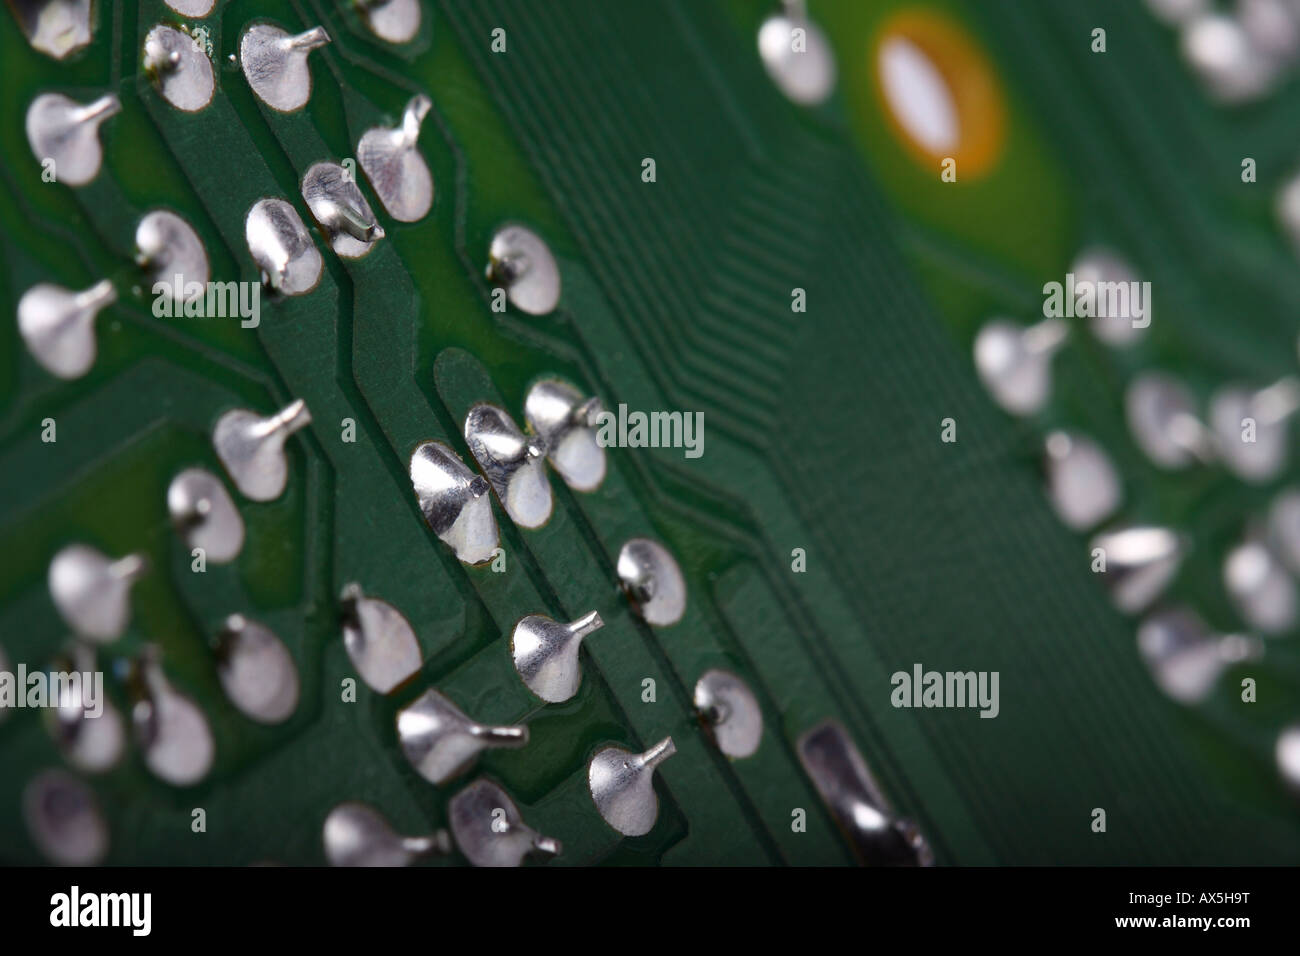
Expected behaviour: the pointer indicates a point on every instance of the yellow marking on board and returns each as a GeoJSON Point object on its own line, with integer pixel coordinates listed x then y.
{"type": "Point", "coordinates": [939, 92]}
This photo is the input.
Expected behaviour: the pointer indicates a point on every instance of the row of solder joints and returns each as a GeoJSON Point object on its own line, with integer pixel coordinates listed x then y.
{"type": "Point", "coordinates": [58, 327]}
{"type": "Point", "coordinates": [1246, 431]}
{"type": "Point", "coordinates": [91, 590]}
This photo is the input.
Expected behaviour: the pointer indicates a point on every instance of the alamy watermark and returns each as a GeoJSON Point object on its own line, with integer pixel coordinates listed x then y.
{"type": "Point", "coordinates": [216, 300]}
{"type": "Point", "coordinates": [922, 688]}
{"type": "Point", "coordinates": [133, 911]}
{"type": "Point", "coordinates": [1088, 299]}
{"type": "Point", "coordinates": [21, 688]}
{"type": "Point", "coordinates": [624, 429]}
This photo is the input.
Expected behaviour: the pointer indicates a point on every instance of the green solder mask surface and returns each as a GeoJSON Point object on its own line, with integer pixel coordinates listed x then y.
{"type": "Point", "coordinates": [821, 428]}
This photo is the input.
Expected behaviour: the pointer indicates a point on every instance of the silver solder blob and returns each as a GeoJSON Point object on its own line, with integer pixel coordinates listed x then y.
{"type": "Point", "coordinates": [1286, 205]}
{"type": "Point", "coordinates": [393, 21]}
{"type": "Point", "coordinates": [345, 217]}
{"type": "Point", "coordinates": [545, 653]}
{"type": "Point", "coordinates": [58, 325]}
{"type": "Point", "coordinates": [257, 671]}
{"type": "Point", "coordinates": [1185, 659]}
{"type": "Point", "coordinates": [1015, 363]}
{"type": "Point", "coordinates": [282, 248]}
{"type": "Point", "coordinates": [800, 64]}
{"type": "Point", "coordinates": [205, 516]}
{"type": "Point", "coordinates": [1097, 265]}
{"type": "Point", "coordinates": [392, 162]}
{"type": "Point", "coordinates": [622, 786]}
{"type": "Point", "coordinates": [1284, 527]}
{"type": "Point", "coordinates": [252, 448]}
{"type": "Point", "coordinates": [441, 742]}
{"type": "Point", "coordinates": [379, 640]}
{"type": "Point", "coordinates": [1140, 563]}
{"type": "Point", "coordinates": [91, 741]}
{"type": "Point", "coordinates": [520, 261]}
{"type": "Point", "coordinates": [489, 830]}
{"type": "Point", "coordinates": [512, 463]}
{"type": "Point", "coordinates": [192, 8]}
{"type": "Point", "coordinates": [1260, 586]}
{"type": "Point", "coordinates": [179, 68]}
{"type": "Point", "coordinates": [1082, 483]}
{"type": "Point", "coordinates": [455, 502]}
{"type": "Point", "coordinates": [64, 819]}
{"type": "Point", "coordinates": [92, 591]}
{"type": "Point", "coordinates": [564, 420]}
{"type": "Point", "coordinates": [56, 28]}
{"type": "Point", "coordinates": [65, 131]}
{"type": "Point", "coordinates": [356, 834]}
{"type": "Point", "coordinates": [172, 253]}
{"type": "Point", "coordinates": [1287, 754]}
{"type": "Point", "coordinates": [730, 711]}
{"type": "Point", "coordinates": [1162, 418]}
{"type": "Point", "coordinates": [838, 771]}
{"type": "Point", "coordinates": [275, 64]}
{"type": "Point", "coordinates": [1220, 51]}
{"type": "Point", "coordinates": [652, 581]}
{"type": "Point", "coordinates": [1273, 27]}
{"type": "Point", "coordinates": [169, 727]}
{"type": "Point", "coordinates": [92, 744]}
{"type": "Point", "coordinates": [1259, 454]}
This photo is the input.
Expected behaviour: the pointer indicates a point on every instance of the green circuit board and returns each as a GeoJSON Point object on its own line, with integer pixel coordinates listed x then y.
{"type": "Point", "coordinates": [804, 277]}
